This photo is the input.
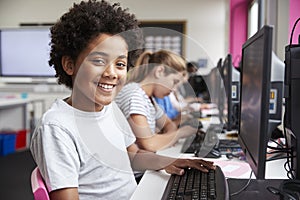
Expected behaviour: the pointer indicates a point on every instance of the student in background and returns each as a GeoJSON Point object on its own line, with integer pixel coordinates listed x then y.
{"type": "Point", "coordinates": [176, 109]}
{"type": "Point", "coordinates": [173, 113]}
{"type": "Point", "coordinates": [195, 85]}
{"type": "Point", "coordinates": [83, 145]}
{"type": "Point", "coordinates": [188, 104]}
{"type": "Point", "coordinates": [154, 75]}
{"type": "Point", "coordinates": [180, 109]}
{"type": "Point", "coordinates": [185, 88]}
{"type": "Point", "coordinates": [171, 105]}
{"type": "Point", "coordinates": [191, 68]}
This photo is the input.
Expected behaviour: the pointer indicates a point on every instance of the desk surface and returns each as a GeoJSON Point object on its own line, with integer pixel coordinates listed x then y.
{"type": "Point", "coordinates": [153, 183]}
{"type": "Point", "coordinates": [5, 102]}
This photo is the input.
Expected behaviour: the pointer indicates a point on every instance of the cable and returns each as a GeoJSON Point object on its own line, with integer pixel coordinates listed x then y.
{"type": "Point", "coordinates": [289, 161]}
{"type": "Point", "coordinates": [275, 141]}
{"type": "Point", "coordinates": [278, 151]}
{"type": "Point", "coordinates": [276, 158]}
{"type": "Point", "coordinates": [290, 172]}
{"type": "Point", "coordinates": [243, 188]}
{"type": "Point", "coordinates": [283, 149]}
{"type": "Point", "coordinates": [291, 39]}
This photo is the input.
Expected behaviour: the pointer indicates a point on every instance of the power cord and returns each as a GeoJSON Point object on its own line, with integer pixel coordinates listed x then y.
{"type": "Point", "coordinates": [289, 161]}
{"type": "Point", "coordinates": [244, 187]}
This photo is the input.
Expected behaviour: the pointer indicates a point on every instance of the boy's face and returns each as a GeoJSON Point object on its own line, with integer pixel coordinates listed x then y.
{"type": "Point", "coordinates": [100, 72]}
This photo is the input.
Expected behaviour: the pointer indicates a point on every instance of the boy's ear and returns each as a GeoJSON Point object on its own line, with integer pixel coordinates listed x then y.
{"type": "Point", "coordinates": [159, 71]}
{"type": "Point", "coordinates": [68, 65]}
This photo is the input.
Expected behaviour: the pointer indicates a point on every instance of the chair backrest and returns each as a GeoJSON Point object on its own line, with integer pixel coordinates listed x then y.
{"type": "Point", "coordinates": [38, 186]}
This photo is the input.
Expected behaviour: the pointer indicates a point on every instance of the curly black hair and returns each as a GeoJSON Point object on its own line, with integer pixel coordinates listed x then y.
{"type": "Point", "coordinates": [71, 34]}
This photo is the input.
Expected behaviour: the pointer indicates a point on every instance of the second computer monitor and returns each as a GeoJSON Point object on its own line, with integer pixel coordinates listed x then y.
{"type": "Point", "coordinates": [255, 99]}
{"type": "Point", "coordinates": [229, 102]}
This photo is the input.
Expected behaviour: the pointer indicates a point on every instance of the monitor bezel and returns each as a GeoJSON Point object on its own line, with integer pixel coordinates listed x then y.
{"type": "Point", "coordinates": [227, 79]}
{"type": "Point", "coordinates": [258, 166]}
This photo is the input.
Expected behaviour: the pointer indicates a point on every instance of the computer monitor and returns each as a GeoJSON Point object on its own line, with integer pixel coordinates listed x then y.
{"type": "Point", "coordinates": [292, 105]}
{"type": "Point", "coordinates": [235, 84]}
{"type": "Point", "coordinates": [255, 99]}
{"type": "Point", "coordinates": [207, 86]}
{"type": "Point", "coordinates": [24, 52]}
{"type": "Point", "coordinates": [214, 81]}
{"type": "Point", "coordinates": [199, 86]}
{"type": "Point", "coordinates": [229, 103]}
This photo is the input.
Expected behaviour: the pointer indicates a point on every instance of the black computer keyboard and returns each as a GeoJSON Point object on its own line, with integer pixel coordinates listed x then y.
{"type": "Point", "coordinates": [197, 185]}
{"type": "Point", "coordinates": [228, 146]}
{"type": "Point", "coordinates": [195, 144]}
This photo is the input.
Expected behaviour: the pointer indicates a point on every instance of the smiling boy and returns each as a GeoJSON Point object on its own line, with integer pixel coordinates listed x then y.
{"type": "Point", "coordinates": [83, 145]}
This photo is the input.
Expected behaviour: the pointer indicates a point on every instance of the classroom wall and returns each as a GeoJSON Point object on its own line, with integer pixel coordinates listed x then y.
{"type": "Point", "coordinates": [277, 15]}
{"type": "Point", "coordinates": [206, 28]}
{"type": "Point", "coordinates": [283, 8]}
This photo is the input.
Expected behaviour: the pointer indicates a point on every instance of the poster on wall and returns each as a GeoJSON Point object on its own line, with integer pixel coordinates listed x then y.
{"type": "Point", "coordinates": [167, 35]}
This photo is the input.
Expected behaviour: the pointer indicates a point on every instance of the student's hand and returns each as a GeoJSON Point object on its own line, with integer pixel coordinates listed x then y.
{"type": "Point", "coordinates": [179, 165]}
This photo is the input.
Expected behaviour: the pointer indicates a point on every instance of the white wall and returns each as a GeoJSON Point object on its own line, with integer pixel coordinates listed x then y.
{"type": "Point", "coordinates": [283, 28]}
{"type": "Point", "coordinates": [277, 15]}
{"type": "Point", "coordinates": [207, 20]}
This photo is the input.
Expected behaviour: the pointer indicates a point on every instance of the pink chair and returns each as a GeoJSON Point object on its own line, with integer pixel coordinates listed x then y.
{"type": "Point", "coordinates": [38, 186]}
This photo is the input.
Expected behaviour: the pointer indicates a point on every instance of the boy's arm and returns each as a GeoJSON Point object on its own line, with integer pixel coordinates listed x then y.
{"type": "Point", "coordinates": [144, 160]}
{"type": "Point", "coordinates": [65, 194]}
{"type": "Point", "coordinates": [154, 142]}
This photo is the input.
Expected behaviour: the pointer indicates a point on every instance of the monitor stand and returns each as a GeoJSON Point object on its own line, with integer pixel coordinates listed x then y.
{"type": "Point", "coordinates": [257, 189]}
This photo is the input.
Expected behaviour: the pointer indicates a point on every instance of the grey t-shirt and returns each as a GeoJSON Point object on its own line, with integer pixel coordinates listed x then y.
{"type": "Point", "coordinates": [87, 150]}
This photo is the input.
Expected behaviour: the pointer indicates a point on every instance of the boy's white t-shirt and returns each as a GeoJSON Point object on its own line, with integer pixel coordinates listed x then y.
{"type": "Point", "coordinates": [87, 150]}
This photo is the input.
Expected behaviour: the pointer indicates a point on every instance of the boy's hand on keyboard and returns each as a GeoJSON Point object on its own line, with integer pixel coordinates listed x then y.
{"type": "Point", "coordinates": [179, 165]}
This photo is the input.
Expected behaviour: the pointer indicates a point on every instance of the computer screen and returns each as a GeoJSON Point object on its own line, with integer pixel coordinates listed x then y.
{"type": "Point", "coordinates": [254, 99]}
{"type": "Point", "coordinates": [199, 86]}
{"type": "Point", "coordinates": [214, 83]}
{"type": "Point", "coordinates": [230, 101]}
{"type": "Point", "coordinates": [24, 52]}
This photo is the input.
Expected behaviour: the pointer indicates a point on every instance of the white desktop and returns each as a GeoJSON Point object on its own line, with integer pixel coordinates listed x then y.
{"type": "Point", "coordinates": [153, 183]}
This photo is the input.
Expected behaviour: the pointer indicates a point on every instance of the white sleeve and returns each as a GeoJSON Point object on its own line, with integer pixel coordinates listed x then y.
{"type": "Point", "coordinates": [55, 153]}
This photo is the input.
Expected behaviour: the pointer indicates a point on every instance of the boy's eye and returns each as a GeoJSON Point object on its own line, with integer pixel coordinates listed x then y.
{"type": "Point", "coordinates": [98, 61]}
{"type": "Point", "coordinates": [121, 64]}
